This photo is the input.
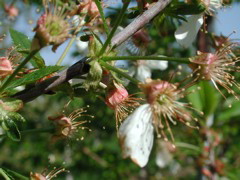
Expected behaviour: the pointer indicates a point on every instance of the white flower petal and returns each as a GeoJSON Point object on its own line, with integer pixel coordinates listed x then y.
{"type": "Point", "coordinates": [136, 135]}
{"type": "Point", "coordinates": [82, 47]}
{"type": "Point", "coordinates": [143, 72]}
{"type": "Point", "coordinates": [155, 64]}
{"type": "Point", "coordinates": [187, 32]}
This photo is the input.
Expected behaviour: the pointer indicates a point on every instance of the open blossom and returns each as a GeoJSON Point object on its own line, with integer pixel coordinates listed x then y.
{"type": "Point", "coordinates": [161, 109]}
{"type": "Point", "coordinates": [53, 27]}
{"type": "Point", "coordinates": [187, 32]}
{"type": "Point", "coordinates": [67, 126]}
{"type": "Point", "coordinates": [47, 176]}
{"type": "Point", "coordinates": [121, 102]}
{"type": "Point", "coordinates": [217, 67]}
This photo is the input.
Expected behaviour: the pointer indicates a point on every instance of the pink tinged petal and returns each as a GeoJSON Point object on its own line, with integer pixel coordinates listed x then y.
{"type": "Point", "coordinates": [143, 72]}
{"type": "Point", "coordinates": [187, 32]}
{"type": "Point", "coordinates": [136, 135]}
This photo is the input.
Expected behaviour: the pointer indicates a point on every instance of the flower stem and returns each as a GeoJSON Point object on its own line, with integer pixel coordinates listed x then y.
{"type": "Point", "coordinates": [39, 130]}
{"type": "Point", "coordinates": [60, 60]}
{"type": "Point", "coordinates": [113, 58]}
{"type": "Point", "coordinates": [117, 70]}
{"type": "Point", "coordinates": [118, 21]}
{"type": "Point", "coordinates": [100, 9]}
{"type": "Point", "coordinates": [23, 63]}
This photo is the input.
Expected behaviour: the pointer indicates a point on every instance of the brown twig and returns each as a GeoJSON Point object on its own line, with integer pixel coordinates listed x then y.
{"type": "Point", "coordinates": [81, 67]}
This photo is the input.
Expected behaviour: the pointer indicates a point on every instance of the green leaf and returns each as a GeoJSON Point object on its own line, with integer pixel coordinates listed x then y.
{"type": "Point", "coordinates": [23, 45]}
{"type": "Point", "coordinates": [229, 113]}
{"type": "Point", "coordinates": [209, 97]}
{"type": "Point", "coordinates": [34, 76]}
{"type": "Point", "coordinates": [185, 9]}
{"type": "Point", "coordinates": [12, 130]}
{"type": "Point", "coordinates": [195, 98]}
{"type": "Point", "coordinates": [8, 122]}
{"type": "Point", "coordinates": [6, 115]}
{"type": "Point", "coordinates": [205, 99]}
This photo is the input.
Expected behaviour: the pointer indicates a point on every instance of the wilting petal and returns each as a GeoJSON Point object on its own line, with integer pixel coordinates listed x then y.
{"type": "Point", "coordinates": [187, 32]}
{"type": "Point", "coordinates": [136, 135]}
{"type": "Point", "coordinates": [155, 64]}
{"type": "Point", "coordinates": [143, 72]}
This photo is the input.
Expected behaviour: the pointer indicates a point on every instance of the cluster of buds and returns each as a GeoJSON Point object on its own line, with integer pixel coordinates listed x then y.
{"type": "Point", "coordinates": [66, 126]}
{"type": "Point", "coordinates": [217, 68]}
{"type": "Point", "coordinates": [53, 27]}
{"type": "Point", "coordinates": [120, 101]}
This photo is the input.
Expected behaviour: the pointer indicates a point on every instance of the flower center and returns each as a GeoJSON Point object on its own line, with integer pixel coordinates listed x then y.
{"type": "Point", "coordinates": [54, 28]}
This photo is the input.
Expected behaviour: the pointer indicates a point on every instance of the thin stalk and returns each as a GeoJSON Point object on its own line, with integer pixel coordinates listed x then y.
{"type": "Point", "coordinates": [113, 58]}
{"type": "Point", "coordinates": [23, 63]}
{"type": "Point", "coordinates": [186, 145]}
{"type": "Point", "coordinates": [17, 175]}
{"type": "Point", "coordinates": [117, 70]}
{"type": "Point", "coordinates": [30, 131]}
{"type": "Point", "coordinates": [118, 21]}
{"type": "Point", "coordinates": [39, 130]}
{"type": "Point", "coordinates": [100, 9]}
{"type": "Point", "coordinates": [60, 60]}
{"type": "Point", "coordinates": [4, 174]}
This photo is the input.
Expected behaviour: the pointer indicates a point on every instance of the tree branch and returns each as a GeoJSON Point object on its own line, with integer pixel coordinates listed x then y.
{"type": "Point", "coordinates": [139, 22]}
{"type": "Point", "coordinates": [77, 69]}
{"type": "Point", "coordinates": [81, 67]}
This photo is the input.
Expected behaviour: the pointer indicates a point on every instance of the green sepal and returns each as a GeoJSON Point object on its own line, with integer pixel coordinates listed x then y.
{"type": "Point", "coordinates": [94, 76]}
{"type": "Point", "coordinates": [8, 121]}
{"type": "Point", "coordinates": [11, 104]}
{"type": "Point", "coordinates": [95, 45]}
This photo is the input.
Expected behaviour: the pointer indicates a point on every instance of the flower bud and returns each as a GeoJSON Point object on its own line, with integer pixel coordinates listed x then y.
{"type": "Point", "coordinates": [116, 96]}
{"type": "Point", "coordinates": [11, 10]}
{"type": "Point", "coordinates": [5, 67]}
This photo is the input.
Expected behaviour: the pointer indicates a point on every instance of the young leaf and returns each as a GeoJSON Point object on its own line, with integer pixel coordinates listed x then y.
{"type": "Point", "coordinates": [23, 45]}
{"type": "Point", "coordinates": [205, 99]}
{"type": "Point", "coordinates": [34, 76]}
{"type": "Point", "coordinates": [12, 130]}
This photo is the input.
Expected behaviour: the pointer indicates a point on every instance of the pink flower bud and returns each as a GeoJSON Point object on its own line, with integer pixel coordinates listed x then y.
{"type": "Point", "coordinates": [121, 102]}
{"type": "Point", "coordinates": [116, 96]}
{"type": "Point", "coordinates": [5, 67]}
{"type": "Point", "coordinates": [11, 11]}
